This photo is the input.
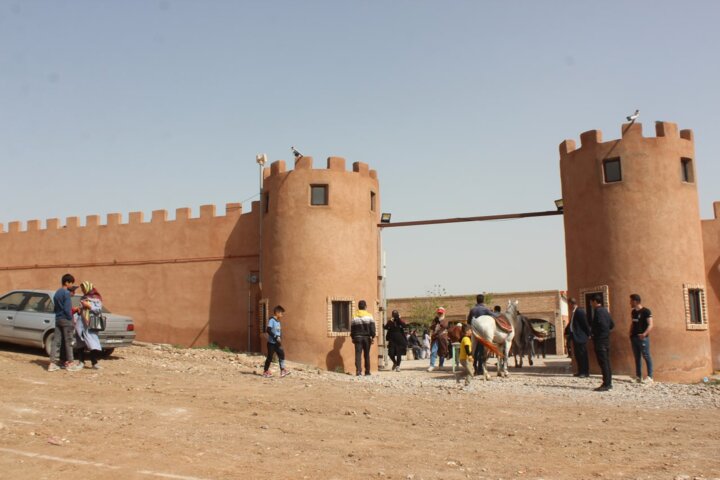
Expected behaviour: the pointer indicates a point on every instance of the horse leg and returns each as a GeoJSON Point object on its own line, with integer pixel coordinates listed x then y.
{"type": "Point", "coordinates": [486, 374]}
{"type": "Point", "coordinates": [506, 351]}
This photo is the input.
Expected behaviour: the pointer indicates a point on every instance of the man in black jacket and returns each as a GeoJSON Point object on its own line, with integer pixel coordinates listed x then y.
{"type": "Point", "coordinates": [601, 325]}
{"type": "Point", "coordinates": [362, 332]}
{"type": "Point", "coordinates": [580, 333]}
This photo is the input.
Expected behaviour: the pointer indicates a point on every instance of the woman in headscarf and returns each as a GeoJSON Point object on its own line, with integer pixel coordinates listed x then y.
{"type": "Point", "coordinates": [86, 328]}
{"type": "Point", "coordinates": [396, 339]}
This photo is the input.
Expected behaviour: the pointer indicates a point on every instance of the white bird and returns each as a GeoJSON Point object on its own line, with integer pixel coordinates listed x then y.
{"type": "Point", "coordinates": [634, 116]}
{"type": "Point", "coordinates": [297, 154]}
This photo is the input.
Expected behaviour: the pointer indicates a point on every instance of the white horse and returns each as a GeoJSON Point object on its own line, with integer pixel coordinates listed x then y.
{"type": "Point", "coordinates": [486, 331]}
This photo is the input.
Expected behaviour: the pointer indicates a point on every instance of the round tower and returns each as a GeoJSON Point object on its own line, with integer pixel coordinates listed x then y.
{"type": "Point", "coordinates": [632, 225]}
{"type": "Point", "coordinates": [320, 256]}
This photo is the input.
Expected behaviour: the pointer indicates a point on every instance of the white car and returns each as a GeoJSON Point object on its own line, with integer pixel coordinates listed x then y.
{"type": "Point", "coordinates": [27, 318]}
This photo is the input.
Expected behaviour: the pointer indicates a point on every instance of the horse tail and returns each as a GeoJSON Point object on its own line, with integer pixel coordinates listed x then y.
{"type": "Point", "coordinates": [489, 345]}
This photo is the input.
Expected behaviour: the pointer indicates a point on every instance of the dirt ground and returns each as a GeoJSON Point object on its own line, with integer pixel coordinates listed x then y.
{"type": "Point", "coordinates": [157, 411]}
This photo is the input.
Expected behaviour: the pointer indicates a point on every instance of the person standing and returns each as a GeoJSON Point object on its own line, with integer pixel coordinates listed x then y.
{"type": "Point", "coordinates": [642, 323]}
{"type": "Point", "coordinates": [362, 332]}
{"type": "Point", "coordinates": [85, 326]}
{"type": "Point", "coordinates": [414, 344]}
{"type": "Point", "coordinates": [397, 341]}
{"type": "Point", "coordinates": [479, 310]}
{"type": "Point", "coordinates": [274, 343]}
{"type": "Point", "coordinates": [579, 334]}
{"type": "Point", "coordinates": [426, 344]}
{"type": "Point", "coordinates": [64, 329]}
{"type": "Point", "coordinates": [602, 324]}
{"type": "Point", "coordinates": [439, 340]}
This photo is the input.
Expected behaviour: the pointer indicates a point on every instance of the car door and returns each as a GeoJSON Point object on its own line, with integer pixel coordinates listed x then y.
{"type": "Point", "coordinates": [34, 318]}
{"type": "Point", "coordinates": [9, 306]}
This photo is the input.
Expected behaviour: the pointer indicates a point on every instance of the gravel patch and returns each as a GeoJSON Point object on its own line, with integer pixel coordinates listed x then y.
{"type": "Point", "coordinates": [545, 381]}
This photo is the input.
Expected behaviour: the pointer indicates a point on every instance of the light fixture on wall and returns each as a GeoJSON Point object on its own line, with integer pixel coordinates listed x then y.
{"type": "Point", "coordinates": [559, 205]}
{"type": "Point", "coordinates": [385, 217]}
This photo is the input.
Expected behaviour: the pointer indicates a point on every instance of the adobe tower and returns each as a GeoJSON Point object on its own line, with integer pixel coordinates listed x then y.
{"type": "Point", "coordinates": [320, 255]}
{"type": "Point", "coordinates": [632, 225]}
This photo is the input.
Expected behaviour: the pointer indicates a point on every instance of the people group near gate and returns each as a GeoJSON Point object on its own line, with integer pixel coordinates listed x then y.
{"type": "Point", "coordinates": [76, 336]}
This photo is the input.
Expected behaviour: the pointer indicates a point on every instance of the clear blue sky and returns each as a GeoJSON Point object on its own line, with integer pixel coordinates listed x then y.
{"type": "Point", "coordinates": [128, 105]}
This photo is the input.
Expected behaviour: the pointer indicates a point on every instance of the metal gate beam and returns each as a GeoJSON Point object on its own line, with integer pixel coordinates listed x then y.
{"type": "Point", "coordinates": [507, 216]}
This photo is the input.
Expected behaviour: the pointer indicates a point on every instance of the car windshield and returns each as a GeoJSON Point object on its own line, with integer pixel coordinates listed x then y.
{"type": "Point", "coordinates": [76, 303]}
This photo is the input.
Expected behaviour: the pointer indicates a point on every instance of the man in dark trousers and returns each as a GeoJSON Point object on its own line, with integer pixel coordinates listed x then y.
{"type": "Point", "coordinates": [602, 323]}
{"type": "Point", "coordinates": [64, 327]}
{"type": "Point", "coordinates": [642, 323]}
{"type": "Point", "coordinates": [362, 332]}
{"type": "Point", "coordinates": [580, 333]}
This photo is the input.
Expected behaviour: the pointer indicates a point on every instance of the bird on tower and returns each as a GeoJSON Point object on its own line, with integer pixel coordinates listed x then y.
{"type": "Point", "coordinates": [297, 154]}
{"type": "Point", "coordinates": [634, 116]}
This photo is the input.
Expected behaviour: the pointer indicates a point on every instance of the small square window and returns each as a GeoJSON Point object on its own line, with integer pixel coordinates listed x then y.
{"type": "Point", "coordinates": [588, 293]}
{"type": "Point", "coordinates": [318, 194]}
{"type": "Point", "coordinates": [341, 316]}
{"type": "Point", "coordinates": [372, 201]}
{"type": "Point", "coordinates": [686, 170]}
{"type": "Point", "coordinates": [612, 170]}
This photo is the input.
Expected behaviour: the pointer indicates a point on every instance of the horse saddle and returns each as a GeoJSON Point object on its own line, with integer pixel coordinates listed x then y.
{"type": "Point", "coordinates": [503, 323]}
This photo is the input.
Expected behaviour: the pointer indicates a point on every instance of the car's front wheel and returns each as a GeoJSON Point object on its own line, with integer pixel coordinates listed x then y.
{"type": "Point", "coordinates": [47, 343]}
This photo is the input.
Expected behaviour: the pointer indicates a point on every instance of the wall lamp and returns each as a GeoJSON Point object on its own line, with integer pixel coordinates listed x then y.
{"type": "Point", "coordinates": [385, 217]}
{"type": "Point", "coordinates": [559, 204]}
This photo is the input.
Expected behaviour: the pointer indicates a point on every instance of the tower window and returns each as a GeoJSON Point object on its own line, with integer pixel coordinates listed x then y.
{"type": "Point", "coordinates": [318, 194]}
{"type": "Point", "coordinates": [686, 170]}
{"type": "Point", "coordinates": [266, 201]}
{"type": "Point", "coordinates": [372, 201]}
{"type": "Point", "coordinates": [612, 170]}
{"type": "Point", "coordinates": [695, 307]}
{"type": "Point", "coordinates": [341, 316]}
{"type": "Point", "coordinates": [586, 294]}
{"type": "Point", "coordinates": [262, 314]}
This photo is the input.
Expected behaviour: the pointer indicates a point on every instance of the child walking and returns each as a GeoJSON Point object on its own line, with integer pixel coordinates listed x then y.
{"type": "Point", "coordinates": [274, 343]}
{"type": "Point", "coordinates": [465, 353]}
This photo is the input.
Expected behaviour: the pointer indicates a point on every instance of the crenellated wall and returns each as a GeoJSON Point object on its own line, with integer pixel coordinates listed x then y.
{"type": "Point", "coordinates": [183, 281]}
{"type": "Point", "coordinates": [192, 280]}
{"type": "Point", "coordinates": [711, 244]}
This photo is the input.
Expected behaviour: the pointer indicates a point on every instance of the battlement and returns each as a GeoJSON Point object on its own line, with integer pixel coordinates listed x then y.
{"type": "Point", "coordinates": [666, 131]}
{"type": "Point", "coordinates": [335, 164]}
{"type": "Point", "coordinates": [206, 212]}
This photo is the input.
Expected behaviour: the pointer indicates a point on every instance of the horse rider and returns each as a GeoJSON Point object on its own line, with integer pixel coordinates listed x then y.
{"type": "Point", "coordinates": [479, 310]}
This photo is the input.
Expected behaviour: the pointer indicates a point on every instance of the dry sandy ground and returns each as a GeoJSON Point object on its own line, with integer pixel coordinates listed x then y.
{"type": "Point", "coordinates": [159, 412]}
